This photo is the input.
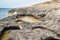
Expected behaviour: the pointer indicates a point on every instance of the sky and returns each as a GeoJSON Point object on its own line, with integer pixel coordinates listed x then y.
{"type": "Point", "coordinates": [18, 3]}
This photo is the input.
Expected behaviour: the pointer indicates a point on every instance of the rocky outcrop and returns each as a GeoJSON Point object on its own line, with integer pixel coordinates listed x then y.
{"type": "Point", "coordinates": [38, 22]}
{"type": "Point", "coordinates": [56, 0]}
{"type": "Point", "coordinates": [8, 21]}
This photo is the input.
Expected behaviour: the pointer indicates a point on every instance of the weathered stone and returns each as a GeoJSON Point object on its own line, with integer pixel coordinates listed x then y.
{"type": "Point", "coordinates": [47, 26]}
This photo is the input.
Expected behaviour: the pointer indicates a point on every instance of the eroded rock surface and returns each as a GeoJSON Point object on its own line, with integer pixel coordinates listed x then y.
{"type": "Point", "coordinates": [37, 22]}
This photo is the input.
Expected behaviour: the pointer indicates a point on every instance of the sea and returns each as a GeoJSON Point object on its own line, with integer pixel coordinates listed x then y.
{"type": "Point", "coordinates": [4, 12]}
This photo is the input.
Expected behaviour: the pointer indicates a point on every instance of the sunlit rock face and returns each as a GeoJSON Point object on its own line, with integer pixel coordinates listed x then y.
{"type": "Point", "coordinates": [15, 12]}
{"type": "Point", "coordinates": [56, 0]}
{"type": "Point", "coordinates": [37, 22]}
{"type": "Point", "coordinates": [28, 19]}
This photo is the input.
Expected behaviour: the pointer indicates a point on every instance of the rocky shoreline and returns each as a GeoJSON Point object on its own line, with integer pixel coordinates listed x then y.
{"type": "Point", "coordinates": [43, 22]}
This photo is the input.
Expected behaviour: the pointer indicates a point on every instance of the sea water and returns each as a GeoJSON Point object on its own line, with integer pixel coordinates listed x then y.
{"type": "Point", "coordinates": [4, 12]}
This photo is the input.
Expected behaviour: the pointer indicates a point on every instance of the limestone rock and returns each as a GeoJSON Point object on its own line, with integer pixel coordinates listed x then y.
{"type": "Point", "coordinates": [47, 23]}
